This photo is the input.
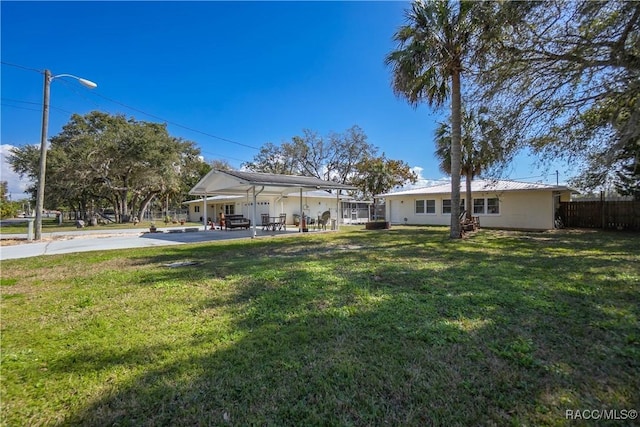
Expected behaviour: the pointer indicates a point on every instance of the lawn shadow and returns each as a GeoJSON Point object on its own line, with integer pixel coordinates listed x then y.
{"type": "Point", "coordinates": [332, 333]}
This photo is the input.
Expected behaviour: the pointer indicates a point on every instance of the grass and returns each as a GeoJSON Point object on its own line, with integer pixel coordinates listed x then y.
{"type": "Point", "coordinates": [397, 327]}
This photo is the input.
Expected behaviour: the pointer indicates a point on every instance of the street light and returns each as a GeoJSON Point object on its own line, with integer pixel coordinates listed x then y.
{"type": "Point", "coordinates": [48, 78]}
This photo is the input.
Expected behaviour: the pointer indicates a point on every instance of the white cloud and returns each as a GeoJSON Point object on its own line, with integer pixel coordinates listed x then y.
{"type": "Point", "coordinates": [422, 181]}
{"type": "Point", "coordinates": [15, 185]}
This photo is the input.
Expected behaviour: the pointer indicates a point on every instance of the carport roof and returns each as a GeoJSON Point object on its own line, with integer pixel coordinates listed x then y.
{"type": "Point", "coordinates": [238, 182]}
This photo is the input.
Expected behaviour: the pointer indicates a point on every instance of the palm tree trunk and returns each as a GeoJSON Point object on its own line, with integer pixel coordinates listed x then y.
{"type": "Point", "coordinates": [456, 153]}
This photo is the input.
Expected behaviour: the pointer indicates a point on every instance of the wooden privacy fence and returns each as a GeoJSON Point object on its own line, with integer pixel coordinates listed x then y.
{"type": "Point", "coordinates": [607, 214]}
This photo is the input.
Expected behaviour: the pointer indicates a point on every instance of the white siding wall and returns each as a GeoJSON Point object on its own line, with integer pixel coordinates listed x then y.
{"type": "Point", "coordinates": [195, 216]}
{"type": "Point", "coordinates": [526, 210]}
{"type": "Point", "coordinates": [518, 209]}
{"type": "Point", "coordinates": [270, 205]}
{"type": "Point", "coordinates": [313, 207]}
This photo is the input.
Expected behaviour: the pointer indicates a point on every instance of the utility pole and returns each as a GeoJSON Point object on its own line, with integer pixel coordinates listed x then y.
{"type": "Point", "coordinates": [48, 78]}
{"type": "Point", "coordinates": [43, 155]}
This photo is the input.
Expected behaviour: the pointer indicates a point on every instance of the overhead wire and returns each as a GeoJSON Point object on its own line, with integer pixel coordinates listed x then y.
{"type": "Point", "coordinates": [21, 66]}
{"type": "Point", "coordinates": [83, 95]}
{"type": "Point", "coordinates": [52, 107]}
{"type": "Point", "coordinates": [176, 124]}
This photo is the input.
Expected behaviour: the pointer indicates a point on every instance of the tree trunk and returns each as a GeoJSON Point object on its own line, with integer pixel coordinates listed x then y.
{"type": "Point", "coordinates": [469, 200]}
{"type": "Point", "coordinates": [456, 153]}
{"type": "Point", "coordinates": [125, 206]}
{"type": "Point", "coordinates": [143, 205]}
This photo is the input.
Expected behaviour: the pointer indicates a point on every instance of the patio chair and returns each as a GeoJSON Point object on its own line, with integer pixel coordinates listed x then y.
{"type": "Point", "coordinates": [282, 223]}
{"type": "Point", "coordinates": [265, 221]}
{"type": "Point", "coordinates": [310, 221]}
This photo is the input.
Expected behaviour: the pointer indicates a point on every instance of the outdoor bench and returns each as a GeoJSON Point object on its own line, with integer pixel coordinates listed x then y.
{"type": "Point", "coordinates": [236, 221]}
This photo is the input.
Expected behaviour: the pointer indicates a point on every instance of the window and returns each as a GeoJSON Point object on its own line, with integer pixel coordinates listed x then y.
{"type": "Point", "coordinates": [425, 207]}
{"type": "Point", "coordinates": [478, 206]}
{"type": "Point", "coordinates": [196, 208]}
{"type": "Point", "coordinates": [431, 206]}
{"type": "Point", "coordinates": [493, 206]}
{"type": "Point", "coordinates": [490, 206]}
{"type": "Point", "coordinates": [229, 209]}
{"type": "Point", "coordinates": [446, 206]}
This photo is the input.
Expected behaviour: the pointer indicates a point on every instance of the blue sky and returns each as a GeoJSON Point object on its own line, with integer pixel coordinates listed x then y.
{"type": "Point", "coordinates": [250, 72]}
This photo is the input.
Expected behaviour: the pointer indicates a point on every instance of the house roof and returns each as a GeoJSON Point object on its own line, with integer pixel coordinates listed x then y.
{"type": "Point", "coordinates": [320, 194]}
{"type": "Point", "coordinates": [479, 186]}
{"type": "Point", "coordinates": [213, 199]}
{"type": "Point", "coordinates": [239, 182]}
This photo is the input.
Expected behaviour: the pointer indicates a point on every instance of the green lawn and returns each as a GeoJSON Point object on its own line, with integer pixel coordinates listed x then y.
{"type": "Point", "coordinates": [394, 327]}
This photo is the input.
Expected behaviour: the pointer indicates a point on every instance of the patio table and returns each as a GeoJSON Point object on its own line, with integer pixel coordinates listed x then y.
{"type": "Point", "coordinates": [274, 221]}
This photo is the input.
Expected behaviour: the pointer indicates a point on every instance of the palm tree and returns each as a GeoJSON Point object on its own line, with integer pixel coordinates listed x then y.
{"type": "Point", "coordinates": [427, 66]}
{"type": "Point", "coordinates": [469, 168]}
{"type": "Point", "coordinates": [483, 143]}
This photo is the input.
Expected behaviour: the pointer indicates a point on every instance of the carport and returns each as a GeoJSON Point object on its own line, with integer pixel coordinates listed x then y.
{"type": "Point", "coordinates": [253, 184]}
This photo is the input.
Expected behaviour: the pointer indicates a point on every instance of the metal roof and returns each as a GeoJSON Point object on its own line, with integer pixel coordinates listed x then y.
{"type": "Point", "coordinates": [479, 186]}
{"type": "Point", "coordinates": [320, 194]}
{"type": "Point", "coordinates": [213, 199]}
{"type": "Point", "coordinates": [239, 182]}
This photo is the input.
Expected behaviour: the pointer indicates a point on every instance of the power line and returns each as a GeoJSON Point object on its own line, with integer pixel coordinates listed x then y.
{"type": "Point", "coordinates": [20, 108]}
{"type": "Point", "coordinates": [31, 103]}
{"type": "Point", "coordinates": [176, 124]}
{"type": "Point", "coordinates": [148, 114]}
{"type": "Point", "coordinates": [22, 102]}
{"type": "Point", "coordinates": [528, 177]}
{"type": "Point", "coordinates": [221, 156]}
{"type": "Point", "coordinates": [21, 66]}
{"type": "Point", "coordinates": [214, 155]}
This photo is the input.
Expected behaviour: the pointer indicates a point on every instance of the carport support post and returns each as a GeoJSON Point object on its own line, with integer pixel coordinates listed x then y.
{"type": "Point", "coordinates": [301, 213]}
{"type": "Point", "coordinates": [253, 214]}
{"type": "Point", "coordinates": [204, 218]}
{"type": "Point", "coordinates": [338, 213]}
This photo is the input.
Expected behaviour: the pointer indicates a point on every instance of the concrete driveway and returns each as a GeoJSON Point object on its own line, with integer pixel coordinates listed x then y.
{"type": "Point", "coordinates": [102, 240]}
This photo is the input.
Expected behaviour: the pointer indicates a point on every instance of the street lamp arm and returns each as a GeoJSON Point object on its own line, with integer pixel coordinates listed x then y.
{"type": "Point", "coordinates": [83, 82]}
{"type": "Point", "coordinates": [48, 78]}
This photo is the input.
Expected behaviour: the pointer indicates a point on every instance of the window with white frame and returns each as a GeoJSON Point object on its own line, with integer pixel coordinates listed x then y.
{"type": "Point", "coordinates": [493, 206]}
{"type": "Point", "coordinates": [446, 206]}
{"type": "Point", "coordinates": [425, 207]}
{"type": "Point", "coordinates": [196, 208]}
{"type": "Point", "coordinates": [489, 206]}
{"type": "Point", "coordinates": [478, 206]}
{"type": "Point", "coordinates": [229, 209]}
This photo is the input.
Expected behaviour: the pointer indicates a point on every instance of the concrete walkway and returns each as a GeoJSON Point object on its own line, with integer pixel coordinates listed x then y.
{"type": "Point", "coordinates": [106, 239]}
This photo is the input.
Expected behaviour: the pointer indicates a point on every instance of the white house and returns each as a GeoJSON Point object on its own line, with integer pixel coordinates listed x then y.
{"type": "Point", "coordinates": [314, 203]}
{"type": "Point", "coordinates": [497, 203]}
{"type": "Point", "coordinates": [253, 194]}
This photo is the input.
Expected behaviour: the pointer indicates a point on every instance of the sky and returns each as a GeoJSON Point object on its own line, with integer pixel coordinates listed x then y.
{"type": "Point", "coordinates": [230, 76]}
